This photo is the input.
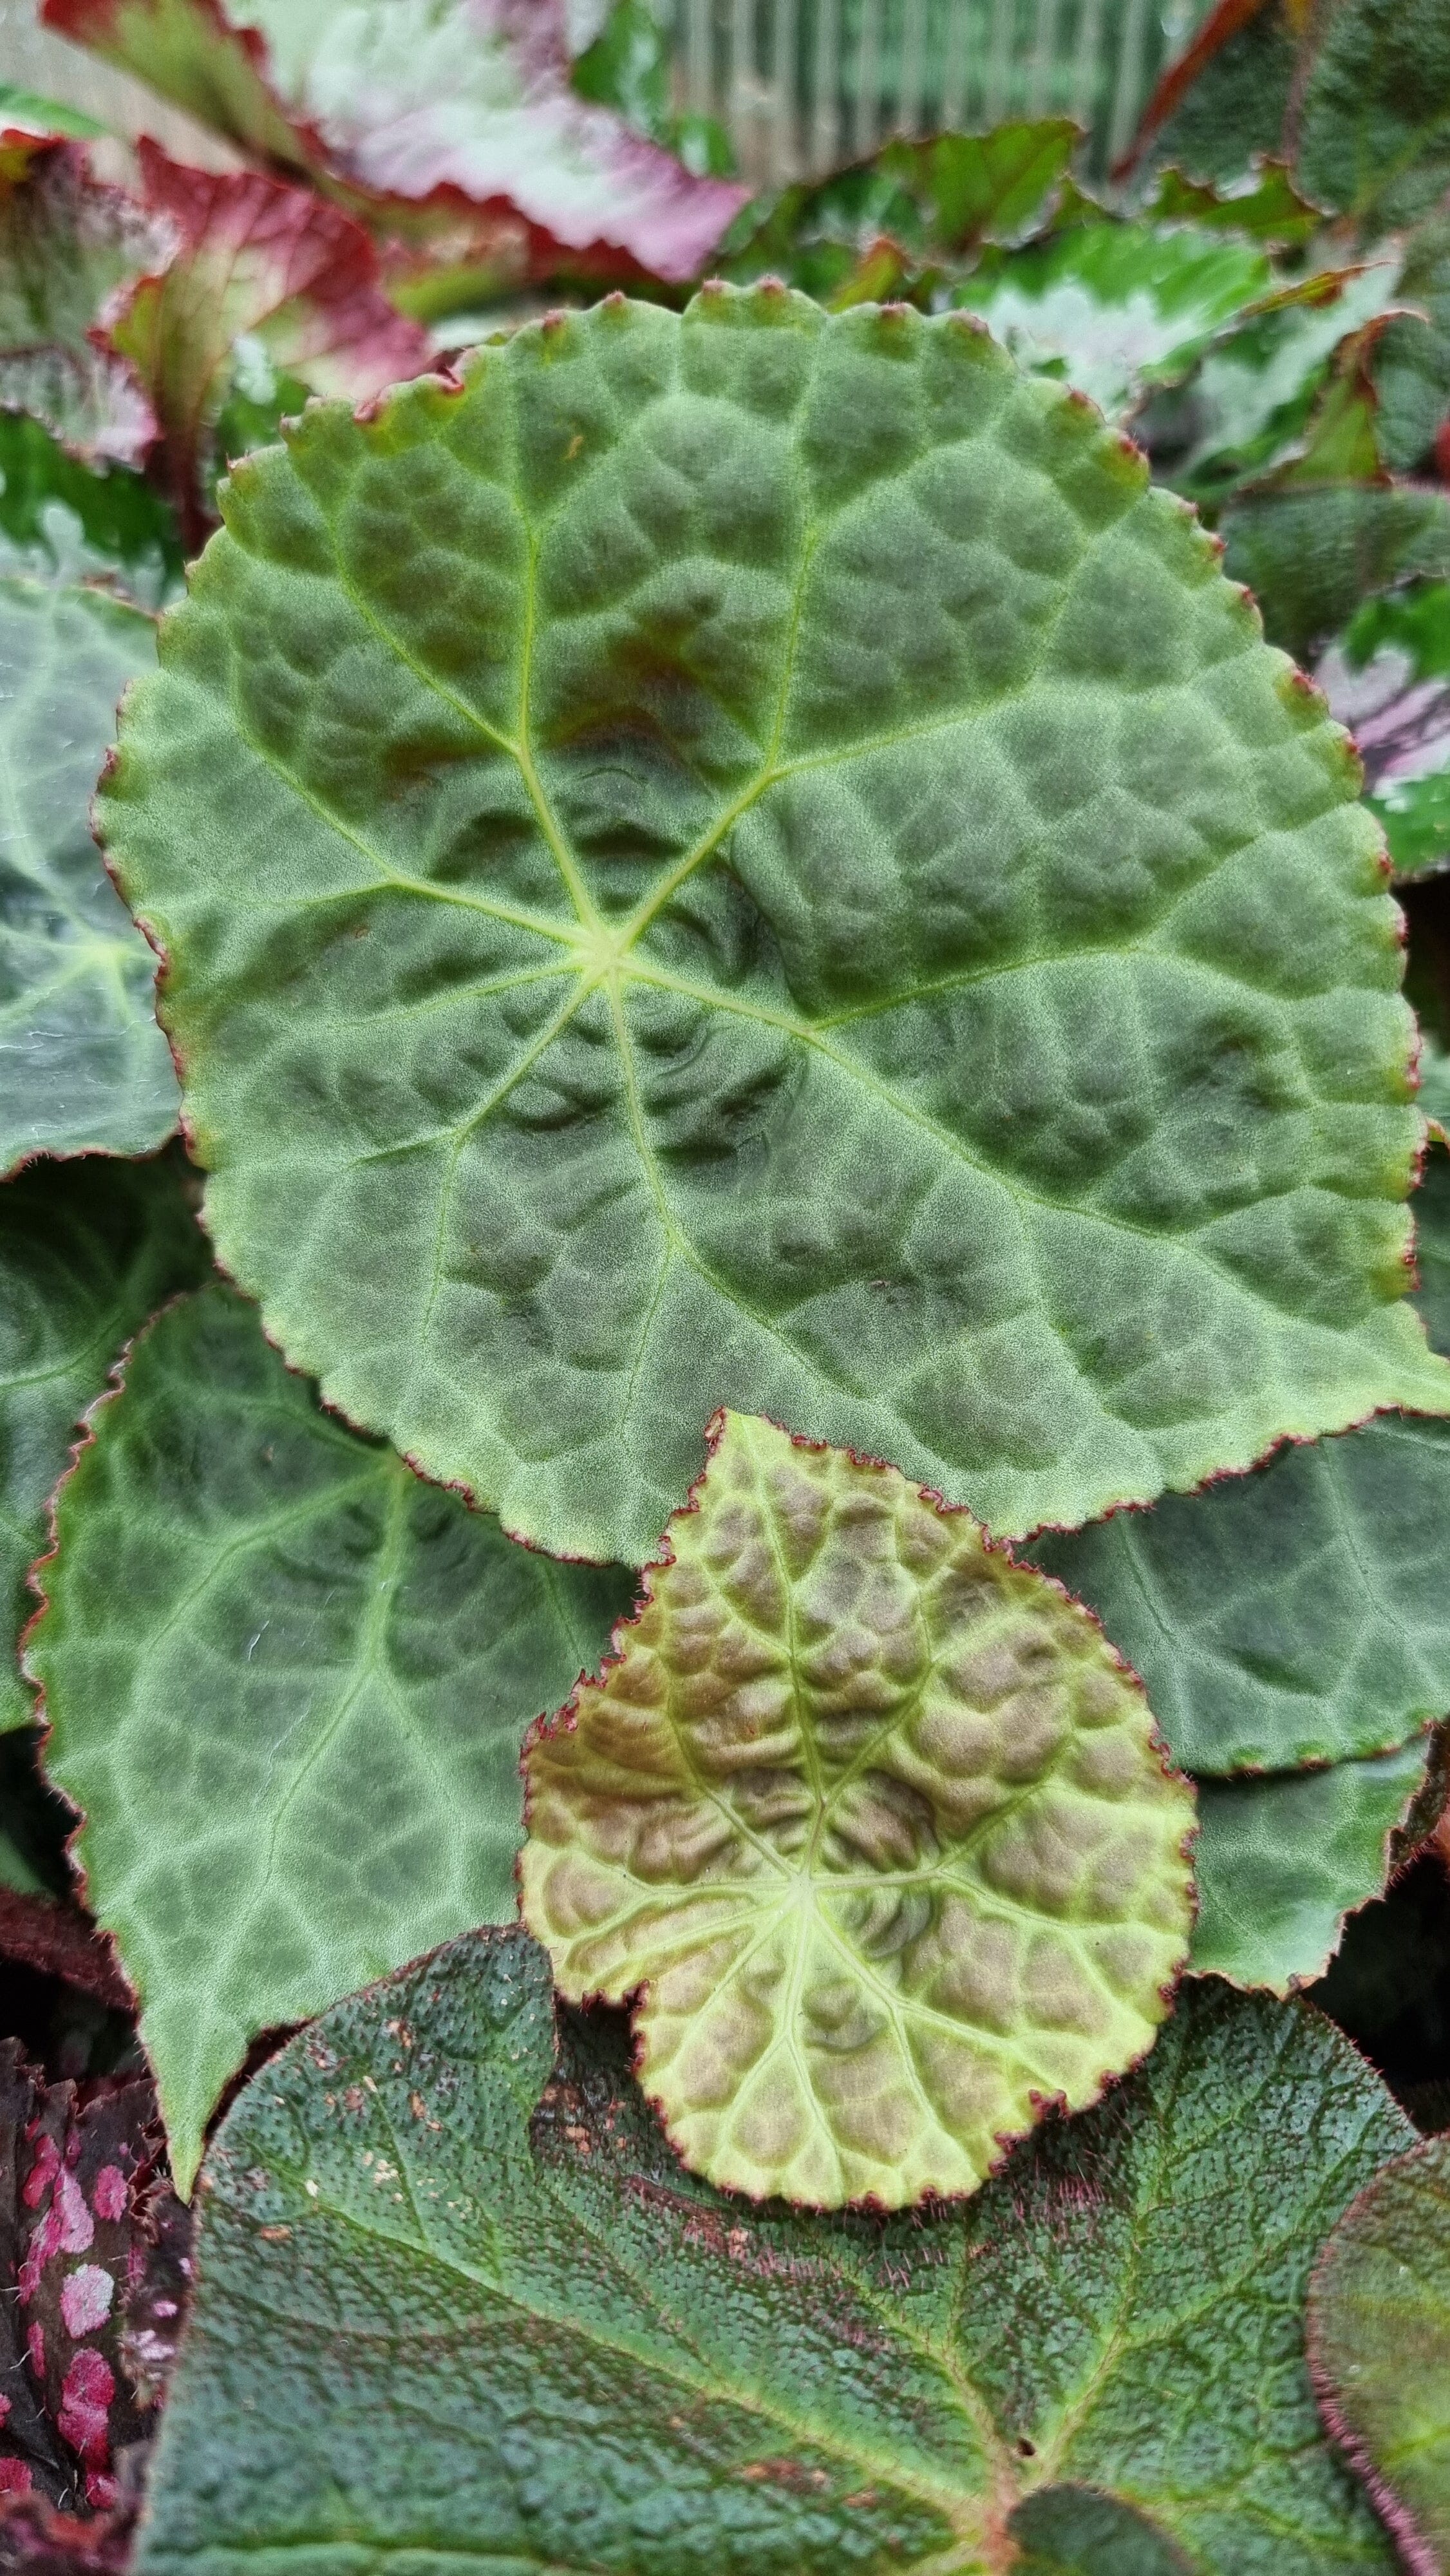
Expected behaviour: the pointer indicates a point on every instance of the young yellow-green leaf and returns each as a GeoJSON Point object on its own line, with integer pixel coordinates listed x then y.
{"type": "Point", "coordinates": [1379, 2346]}
{"type": "Point", "coordinates": [87, 1251]}
{"type": "Point", "coordinates": [878, 1822]}
{"type": "Point", "coordinates": [286, 1685]}
{"type": "Point", "coordinates": [749, 859]}
{"type": "Point", "coordinates": [1300, 1614]}
{"type": "Point", "coordinates": [83, 1065]}
{"type": "Point", "coordinates": [1280, 1860]}
{"type": "Point", "coordinates": [427, 2328]}
{"type": "Point", "coordinates": [1116, 307]}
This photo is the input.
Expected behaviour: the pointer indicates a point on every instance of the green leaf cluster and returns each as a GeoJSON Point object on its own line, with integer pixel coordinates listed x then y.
{"type": "Point", "coordinates": [832, 1357]}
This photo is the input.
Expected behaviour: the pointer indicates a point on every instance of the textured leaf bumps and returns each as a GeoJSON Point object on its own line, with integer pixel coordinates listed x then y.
{"type": "Point", "coordinates": [876, 1820]}
{"type": "Point", "coordinates": [749, 859]}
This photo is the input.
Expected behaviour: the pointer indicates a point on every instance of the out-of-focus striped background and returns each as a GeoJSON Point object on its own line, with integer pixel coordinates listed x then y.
{"type": "Point", "coordinates": [801, 84]}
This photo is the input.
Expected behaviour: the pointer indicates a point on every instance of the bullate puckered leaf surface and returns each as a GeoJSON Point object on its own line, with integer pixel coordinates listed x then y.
{"type": "Point", "coordinates": [874, 1820]}
{"type": "Point", "coordinates": [748, 858]}
{"type": "Point", "coordinates": [498, 2323]}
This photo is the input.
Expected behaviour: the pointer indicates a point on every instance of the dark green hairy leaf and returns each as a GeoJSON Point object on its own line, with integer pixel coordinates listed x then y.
{"type": "Point", "coordinates": [87, 1250]}
{"type": "Point", "coordinates": [540, 2342]}
{"type": "Point", "coordinates": [1279, 1861]}
{"type": "Point", "coordinates": [749, 859]}
{"type": "Point", "coordinates": [1379, 2325]}
{"type": "Point", "coordinates": [1300, 1614]}
{"type": "Point", "coordinates": [1293, 1616]}
{"type": "Point", "coordinates": [83, 1064]}
{"type": "Point", "coordinates": [286, 1685]}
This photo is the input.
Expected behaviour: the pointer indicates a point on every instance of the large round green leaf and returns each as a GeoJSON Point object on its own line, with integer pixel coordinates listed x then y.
{"type": "Point", "coordinates": [430, 2330]}
{"type": "Point", "coordinates": [82, 1061]}
{"type": "Point", "coordinates": [878, 1823]}
{"type": "Point", "coordinates": [749, 858]}
{"type": "Point", "coordinates": [87, 1250]}
{"type": "Point", "coordinates": [1379, 2342]}
{"type": "Point", "coordinates": [286, 1685]}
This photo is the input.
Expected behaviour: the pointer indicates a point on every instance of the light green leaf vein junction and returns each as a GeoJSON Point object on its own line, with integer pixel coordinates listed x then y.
{"type": "Point", "coordinates": [918, 820]}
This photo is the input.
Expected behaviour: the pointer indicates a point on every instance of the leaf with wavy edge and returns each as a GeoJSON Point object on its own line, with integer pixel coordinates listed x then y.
{"type": "Point", "coordinates": [87, 1251]}
{"type": "Point", "coordinates": [83, 1065]}
{"type": "Point", "coordinates": [1312, 555]}
{"type": "Point", "coordinates": [876, 1823]}
{"type": "Point", "coordinates": [286, 1686]}
{"type": "Point", "coordinates": [1379, 2347]}
{"type": "Point", "coordinates": [925, 202]}
{"type": "Point", "coordinates": [67, 244]}
{"type": "Point", "coordinates": [1281, 1860]}
{"type": "Point", "coordinates": [1300, 1614]}
{"type": "Point", "coordinates": [541, 2343]}
{"type": "Point", "coordinates": [749, 859]}
{"type": "Point", "coordinates": [422, 115]}
{"type": "Point", "coordinates": [1116, 307]}
{"type": "Point", "coordinates": [278, 268]}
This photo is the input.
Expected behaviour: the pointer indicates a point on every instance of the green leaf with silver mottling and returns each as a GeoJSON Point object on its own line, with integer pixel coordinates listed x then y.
{"type": "Point", "coordinates": [749, 859]}
{"type": "Point", "coordinates": [87, 1251]}
{"type": "Point", "coordinates": [1379, 2346]}
{"type": "Point", "coordinates": [540, 2343]}
{"type": "Point", "coordinates": [61, 522]}
{"type": "Point", "coordinates": [875, 1823]}
{"type": "Point", "coordinates": [1116, 307]}
{"type": "Point", "coordinates": [286, 1684]}
{"type": "Point", "coordinates": [1388, 679]}
{"type": "Point", "coordinates": [83, 1065]}
{"type": "Point", "coordinates": [1280, 1861]}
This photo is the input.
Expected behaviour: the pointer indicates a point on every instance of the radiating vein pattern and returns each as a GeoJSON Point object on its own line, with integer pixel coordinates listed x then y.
{"type": "Point", "coordinates": [876, 1820]}
{"type": "Point", "coordinates": [286, 1683]}
{"type": "Point", "coordinates": [747, 858]}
